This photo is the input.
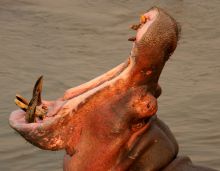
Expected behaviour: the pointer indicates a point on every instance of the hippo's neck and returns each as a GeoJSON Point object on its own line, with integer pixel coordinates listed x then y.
{"type": "Point", "coordinates": [154, 149]}
{"type": "Point", "coordinates": [159, 150]}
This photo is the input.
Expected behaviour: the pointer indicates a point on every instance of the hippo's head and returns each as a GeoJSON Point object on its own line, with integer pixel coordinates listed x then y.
{"type": "Point", "coordinates": [101, 124]}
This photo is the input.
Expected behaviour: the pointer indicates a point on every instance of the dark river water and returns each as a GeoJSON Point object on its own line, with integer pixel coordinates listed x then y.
{"type": "Point", "coordinates": [73, 41]}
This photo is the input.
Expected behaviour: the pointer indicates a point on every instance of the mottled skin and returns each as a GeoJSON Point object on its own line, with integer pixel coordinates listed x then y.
{"type": "Point", "coordinates": [110, 123]}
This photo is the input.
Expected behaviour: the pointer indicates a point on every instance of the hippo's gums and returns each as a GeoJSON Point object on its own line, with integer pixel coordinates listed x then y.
{"type": "Point", "coordinates": [110, 122]}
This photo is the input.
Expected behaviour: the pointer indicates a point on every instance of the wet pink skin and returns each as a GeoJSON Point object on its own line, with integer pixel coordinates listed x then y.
{"type": "Point", "coordinates": [102, 124]}
{"type": "Point", "coordinates": [151, 16]}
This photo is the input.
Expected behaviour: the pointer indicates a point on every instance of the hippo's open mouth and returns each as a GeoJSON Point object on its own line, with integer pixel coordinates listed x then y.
{"type": "Point", "coordinates": [131, 86]}
{"type": "Point", "coordinates": [78, 95]}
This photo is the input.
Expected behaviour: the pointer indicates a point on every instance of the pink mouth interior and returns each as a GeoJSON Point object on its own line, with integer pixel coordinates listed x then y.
{"type": "Point", "coordinates": [17, 117]}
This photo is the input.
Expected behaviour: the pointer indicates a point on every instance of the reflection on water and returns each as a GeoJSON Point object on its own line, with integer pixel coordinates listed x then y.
{"type": "Point", "coordinates": [71, 41]}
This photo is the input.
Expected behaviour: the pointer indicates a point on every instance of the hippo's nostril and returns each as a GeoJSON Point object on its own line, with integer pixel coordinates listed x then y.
{"type": "Point", "coordinates": [148, 105]}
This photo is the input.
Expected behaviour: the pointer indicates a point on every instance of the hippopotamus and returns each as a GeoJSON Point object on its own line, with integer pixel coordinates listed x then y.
{"type": "Point", "coordinates": [110, 123]}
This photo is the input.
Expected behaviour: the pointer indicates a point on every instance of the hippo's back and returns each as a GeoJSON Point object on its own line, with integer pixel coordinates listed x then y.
{"type": "Point", "coordinates": [183, 163]}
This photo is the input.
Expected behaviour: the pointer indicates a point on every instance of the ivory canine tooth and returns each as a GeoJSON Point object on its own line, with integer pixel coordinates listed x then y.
{"type": "Point", "coordinates": [35, 101]}
{"type": "Point", "coordinates": [21, 99]}
{"type": "Point", "coordinates": [21, 105]}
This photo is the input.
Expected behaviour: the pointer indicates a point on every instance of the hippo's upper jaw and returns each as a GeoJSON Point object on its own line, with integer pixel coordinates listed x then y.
{"type": "Point", "coordinates": [100, 122]}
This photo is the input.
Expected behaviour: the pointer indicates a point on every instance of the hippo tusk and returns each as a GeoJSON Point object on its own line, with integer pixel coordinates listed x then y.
{"type": "Point", "coordinates": [23, 103]}
{"type": "Point", "coordinates": [38, 89]}
{"type": "Point", "coordinates": [21, 99]}
{"type": "Point", "coordinates": [33, 108]}
{"type": "Point", "coordinates": [135, 26]}
{"type": "Point", "coordinates": [20, 104]}
{"type": "Point", "coordinates": [35, 101]}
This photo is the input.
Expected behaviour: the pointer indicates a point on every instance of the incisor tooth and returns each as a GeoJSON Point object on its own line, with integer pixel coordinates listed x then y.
{"type": "Point", "coordinates": [135, 26]}
{"type": "Point", "coordinates": [143, 19]}
{"type": "Point", "coordinates": [132, 39]}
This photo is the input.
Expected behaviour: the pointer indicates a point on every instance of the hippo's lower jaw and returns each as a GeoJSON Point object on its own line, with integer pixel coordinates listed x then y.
{"type": "Point", "coordinates": [103, 121]}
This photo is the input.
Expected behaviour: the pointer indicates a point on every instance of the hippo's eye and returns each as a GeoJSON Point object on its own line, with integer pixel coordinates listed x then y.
{"type": "Point", "coordinates": [138, 124]}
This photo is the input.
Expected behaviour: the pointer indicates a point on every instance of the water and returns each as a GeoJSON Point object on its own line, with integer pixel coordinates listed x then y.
{"type": "Point", "coordinates": [71, 41]}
